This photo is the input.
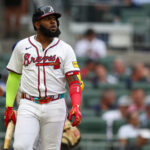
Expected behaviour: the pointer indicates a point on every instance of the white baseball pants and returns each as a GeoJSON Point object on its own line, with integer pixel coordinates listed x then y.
{"type": "Point", "coordinates": [46, 120]}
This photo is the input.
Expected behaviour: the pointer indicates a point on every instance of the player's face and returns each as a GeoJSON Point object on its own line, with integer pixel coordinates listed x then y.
{"type": "Point", "coordinates": [49, 22]}
{"type": "Point", "coordinates": [48, 26]}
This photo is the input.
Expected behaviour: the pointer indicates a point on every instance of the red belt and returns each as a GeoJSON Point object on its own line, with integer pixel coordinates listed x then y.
{"type": "Point", "coordinates": [42, 100]}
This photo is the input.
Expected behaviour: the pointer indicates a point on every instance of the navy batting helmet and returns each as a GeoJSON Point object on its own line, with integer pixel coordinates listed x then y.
{"type": "Point", "coordinates": [43, 12]}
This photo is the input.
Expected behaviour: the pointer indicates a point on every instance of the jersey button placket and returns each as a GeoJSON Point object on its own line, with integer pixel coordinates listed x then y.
{"type": "Point", "coordinates": [42, 86]}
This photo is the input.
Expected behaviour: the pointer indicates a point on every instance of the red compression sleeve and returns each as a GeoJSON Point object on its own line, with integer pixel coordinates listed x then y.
{"type": "Point", "coordinates": [75, 93]}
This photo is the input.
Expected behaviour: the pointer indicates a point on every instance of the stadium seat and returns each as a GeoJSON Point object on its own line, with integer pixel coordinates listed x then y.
{"type": "Point", "coordinates": [106, 61]}
{"type": "Point", "coordinates": [131, 140]}
{"type": "Point", "coordinates": [148, 125]}
{"type": "Point", "coordinates": [142, 85]}
{"type": "Point", "coordinates": [146, 8]}
{"type": "Point", "coordinates": [2, 102]}
{"type": "Point", "coordinates": [116, 125]}
{"type": "Point", "coordinates": [5, 57]}
{"type": "Point", "coordinates": [121, 92]}
{"type": "Point", "coordinates": [91, 97]}
{"type": "Point", "coordinates": [2, 66]}
{"type": "Point", "coordinates": [81, 61]}
{"type": "Point", "coordinates": [88, 113]}
{"type": "Point", "coordinates": [91, 103]}
{"type": "Point", "coordinates": [123, 78]}
{"type": "Point", "coordinates": [2, 137]}
{"type": "Point", "coordinates": [2, 127]}
{"type": "Point", "coordinates": [117, 86]}
{"type": "Point", "coordinates": [130, 14]}
{"type": "Point", "coordinates": [147, 147]}
{"type": "Point", "coordinates": [88, 145]}
{"type": "Point", "coordinates": [91, 93]}
{"type": "Point", "coordinates": [93, 125]}
{"type": "Point", "coordinates": [90, 76]}
{"type": "Point", "coordinates": [89, 85]}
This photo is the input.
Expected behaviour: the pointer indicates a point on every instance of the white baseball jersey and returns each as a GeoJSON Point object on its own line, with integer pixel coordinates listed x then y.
{"type": "Point", "coordinates": [43, 71]}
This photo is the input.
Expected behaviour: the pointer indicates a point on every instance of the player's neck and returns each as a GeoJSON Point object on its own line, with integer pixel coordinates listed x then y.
{"type": "Point", "coordinates": [43, 40]}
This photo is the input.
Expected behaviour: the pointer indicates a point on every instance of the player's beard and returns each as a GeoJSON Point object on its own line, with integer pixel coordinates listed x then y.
{"type": "Point", "coordinates": [46, 32]}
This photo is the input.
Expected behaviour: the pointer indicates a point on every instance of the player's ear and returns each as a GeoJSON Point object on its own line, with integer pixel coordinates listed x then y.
{"type": "Point", "coordinates": [37, 25]}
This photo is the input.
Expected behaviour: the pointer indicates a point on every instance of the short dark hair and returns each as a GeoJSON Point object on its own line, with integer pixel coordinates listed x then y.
{"type": "Point", "coordinates": [89, 32]}
{"type": "Point", "coordinates": [89, 60]}
{"type": "Point", "coordinates": [105, 92]}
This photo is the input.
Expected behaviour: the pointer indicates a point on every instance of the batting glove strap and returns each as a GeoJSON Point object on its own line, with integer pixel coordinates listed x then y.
{"type": "Point", "coordinates": [75, 111]}
{"type": "Point", "coordinates": [9, 115]}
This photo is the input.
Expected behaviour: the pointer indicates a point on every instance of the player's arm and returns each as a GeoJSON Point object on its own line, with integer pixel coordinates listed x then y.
{"type": "Point", "coordinates": [71, 70]}
{"type": "Point", "coordinates": [75, 95]}
{"type": "Point", "coordinates": [12, 86]}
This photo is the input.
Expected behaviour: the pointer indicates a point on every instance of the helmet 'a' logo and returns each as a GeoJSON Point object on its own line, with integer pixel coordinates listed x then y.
{"type": "Point", "coordinates": [51, 9]}
{"type": "Point", "coordinates": [48, 9]}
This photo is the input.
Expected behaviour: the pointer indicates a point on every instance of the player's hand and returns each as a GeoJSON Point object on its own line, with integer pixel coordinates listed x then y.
{"type": "Point", "coordinates": [9, 115]}
{"type": "Point", "coordinates": [75, 111]}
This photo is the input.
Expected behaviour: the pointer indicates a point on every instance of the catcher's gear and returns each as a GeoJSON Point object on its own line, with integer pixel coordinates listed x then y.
{"type": "Point", "coordinates": [75, 111]}
{"type": "Point", "coordinates": [71, 135]}
{"type": "Point", "coordinates": [9, 115]}
{"type": "Point", "coordinates": [43, 12]}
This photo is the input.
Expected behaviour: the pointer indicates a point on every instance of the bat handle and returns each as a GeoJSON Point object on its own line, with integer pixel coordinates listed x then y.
{"type": "Point", "coordinates": [9, 134]}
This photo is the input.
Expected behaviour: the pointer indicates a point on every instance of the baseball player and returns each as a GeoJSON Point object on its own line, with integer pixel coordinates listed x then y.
{"type": "Point", "coordinates": [42, 63]}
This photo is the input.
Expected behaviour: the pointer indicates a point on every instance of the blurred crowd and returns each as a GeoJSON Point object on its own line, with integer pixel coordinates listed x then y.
{"type": "Point", "coordinates": [132, 108]}
{"type": "Point", "coordinates": [17, 11]}
{"type": "Point", "coordinates": [14, 10]}
{"type": "Point", "coordinates": [17, 14]}
{"type": "Point", "coordinates": [110, 10]}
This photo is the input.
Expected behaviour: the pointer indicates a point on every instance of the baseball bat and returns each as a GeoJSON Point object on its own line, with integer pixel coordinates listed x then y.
{"type": "Point", "coordinates": [8, 135]}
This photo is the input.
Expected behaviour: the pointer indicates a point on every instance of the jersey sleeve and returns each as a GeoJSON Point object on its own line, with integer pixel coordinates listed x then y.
{"type": "Point", "coordinates": [16, 62]}
{"type": "Point", "coordinates": [70, 62]}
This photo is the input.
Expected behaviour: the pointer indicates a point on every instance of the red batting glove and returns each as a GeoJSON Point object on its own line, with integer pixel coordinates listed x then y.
{"type": "Point", "coordinates": [75, 111]}
{"type": "Point", "coordinates": [9, 115]}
